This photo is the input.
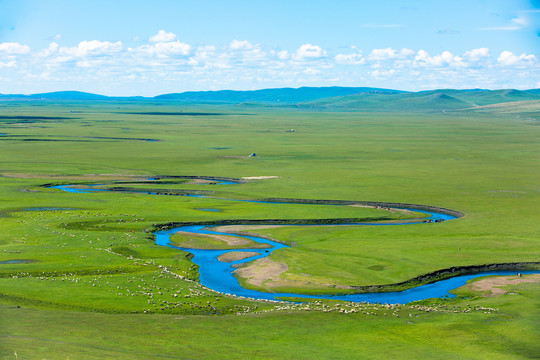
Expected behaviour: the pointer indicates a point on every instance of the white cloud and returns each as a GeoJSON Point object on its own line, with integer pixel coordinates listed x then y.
{"type": "Point", "coordinates": [53, 47]}
{"type": "Point", "coordinates": [309, 51]}
{"type": "Point", "coordinates": [166, 64]}
{"type": "Point", "coordinates": [515, 24]}
{"type": "Point", "coordinates": [382, 54]}
{"type": "Point", "coordinates": [508, 58]}
{"type": "Point", "coordinates": [311, 71]}
{"type": "Point", "coordinates": [283, 55]}
{"type": "Point", "coordinates": [350, 59]}
{"type": "Point", "coordinates": [383, 73]}
{"type": "Point", "coordinates": [14, 48]}
{"type": "Point", "coordinates": [241, 45]}
{"type": "Point", "coordinates": [520, 21]}
{"type": "Point", "coordinates": [446, 58]}
{"type": "Point", "coordinates": [406, 52]}
{"type": "Point", "coordinates": [8, 64]}
{"type": "Point", "coordinates": [163, 36]}
{"type": "Point", "coordinates": [92, 48]}
{"type": "Point", "coordinates": [163, 49]}
{"type": "Point", "coordinates": [475, 55]}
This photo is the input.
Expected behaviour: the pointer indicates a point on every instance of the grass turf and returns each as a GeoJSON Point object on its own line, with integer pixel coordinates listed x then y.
{"type": "Point", "coordinates": [484, 165]}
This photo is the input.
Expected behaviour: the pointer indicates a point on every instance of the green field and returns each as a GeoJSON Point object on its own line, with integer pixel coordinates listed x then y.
{"type": "Point", "coordinates": [80, 275]}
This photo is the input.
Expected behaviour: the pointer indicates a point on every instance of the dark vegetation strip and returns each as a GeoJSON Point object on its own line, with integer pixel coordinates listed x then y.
{"type": "Point", "coordinates": [175, 113]}
{"type": "Point", "coordinates": [153, 182]}
{"type": "Point", "coordinates": [175, 192]}
{"type": "Point", "coordinates": [49, 140]}
{"type": "Point", "coordinates": [446, 274]}
{"type": "Point", "coordinates": [119, 138]}
{"type": "Point", "coordinates": [370, 203]}
{"type": "Point", "coordinates": [172, 224]}
{"type": "Point", "coordinates": [26, 138]}
{"type": "Point", "coordinates": [216, 178]}
{"type": "Point", "coordinates": [21, 117]}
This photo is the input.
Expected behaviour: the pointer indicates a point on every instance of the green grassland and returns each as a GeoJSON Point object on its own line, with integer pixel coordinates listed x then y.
{"type": "Point", "coordinates": [90, 271]}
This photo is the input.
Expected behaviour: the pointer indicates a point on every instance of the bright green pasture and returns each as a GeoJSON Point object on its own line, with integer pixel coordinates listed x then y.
{"type": "Point", "coordinates": [505, 327]}
{"type": "Point", "coordinates": [484, 165]}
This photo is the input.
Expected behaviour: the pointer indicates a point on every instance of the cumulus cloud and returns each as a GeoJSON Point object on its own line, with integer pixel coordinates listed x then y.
{"type": "Point", "coordinates": [311, 71]}
{"type": "Point", "coordinates": [310, 52]}
{"type": "Point", "coordinates": [383, 73]}
{"type": "Point", "coordinates": [53, 47]}
{"type": "Point", "coordinates": [382, 54]}
{"type": "Point", "coordinates": [446, 58]}
{"type": "Point", "coordinates": [8, 64]}
{"type": "Point", "coordinates": [350, 59]}
{"type": "Point", "coordinates": [507, 58]}
{"type": "Point", "coordinates": [14, 48]}
{"type": "Point", "coordinates": [163, 49]}
{"type": "Point", "coordinates": [163, 36]}
{"type": "Point", "coordinates": [283, 55]}
{"type": "Point", "coordinates": [163, 59]}
{"type": "Point", "coordinates": [241, 45]}
{"type": "Point", "coordinates": [475, 55]}
{"type": "Point", "coordinates": [92, 48]}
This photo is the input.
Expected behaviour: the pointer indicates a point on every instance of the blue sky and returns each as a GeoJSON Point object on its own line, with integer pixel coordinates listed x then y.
{"type": "Point", "coordinates": [153, 47]}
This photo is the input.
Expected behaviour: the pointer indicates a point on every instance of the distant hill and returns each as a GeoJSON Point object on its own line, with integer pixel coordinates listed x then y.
{"type": "Point", "coordinates": [69, 95]}
{"type": "Point", "coordinates": [331, 98]}
{"type": "Point", "coordinates": [280, 95]}
{"type": "Point", "coordinates": [57, 95]}
{"type": "Point", "coordinates": [439, 100]}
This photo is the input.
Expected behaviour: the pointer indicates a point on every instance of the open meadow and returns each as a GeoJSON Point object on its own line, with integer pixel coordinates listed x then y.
{"type": "Point", "coordinates": [81, 276]}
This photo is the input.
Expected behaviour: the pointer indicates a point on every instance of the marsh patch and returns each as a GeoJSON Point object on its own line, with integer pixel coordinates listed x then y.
{"type": "Point", "coordinates": [17, 261]}
{"type": "Point", "coordinates": [24, 119]}
{"type": "Point", "coordinates": [119, 138]}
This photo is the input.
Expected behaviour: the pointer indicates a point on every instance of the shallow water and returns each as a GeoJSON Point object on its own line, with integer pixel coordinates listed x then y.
{"type": "Point", "coordinates": [16, 261]}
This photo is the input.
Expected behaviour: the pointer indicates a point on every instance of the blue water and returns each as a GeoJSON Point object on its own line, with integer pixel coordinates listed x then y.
{"type": "Point", "coordinates": [219, 182]}
{"type": "Point", "coordinates": [16, 261]}
{"type": "Point", "coordinates": [69, 189]}
{"type": "Point", "coordinates": [213, 181]}
{"type": "Point", "coordinates": [208, 209]}
{"type": "Point", "coordinates": [218, 276]}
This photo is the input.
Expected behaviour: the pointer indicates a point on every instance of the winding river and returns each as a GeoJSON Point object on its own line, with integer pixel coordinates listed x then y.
{"type": "Point", "coordinates": [218, 275]}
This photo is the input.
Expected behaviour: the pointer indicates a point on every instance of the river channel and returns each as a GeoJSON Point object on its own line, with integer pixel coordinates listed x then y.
{"type": "Point", "coordinates": [218, 275]}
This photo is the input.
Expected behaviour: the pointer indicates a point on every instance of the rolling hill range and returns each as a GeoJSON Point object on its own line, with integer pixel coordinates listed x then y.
{"type": "Point", "coordinates": [330, 98]}
{"type": "Point", "coordinates": [279, 95]}
{"type": "Point", "coordinates": [424, 100]}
